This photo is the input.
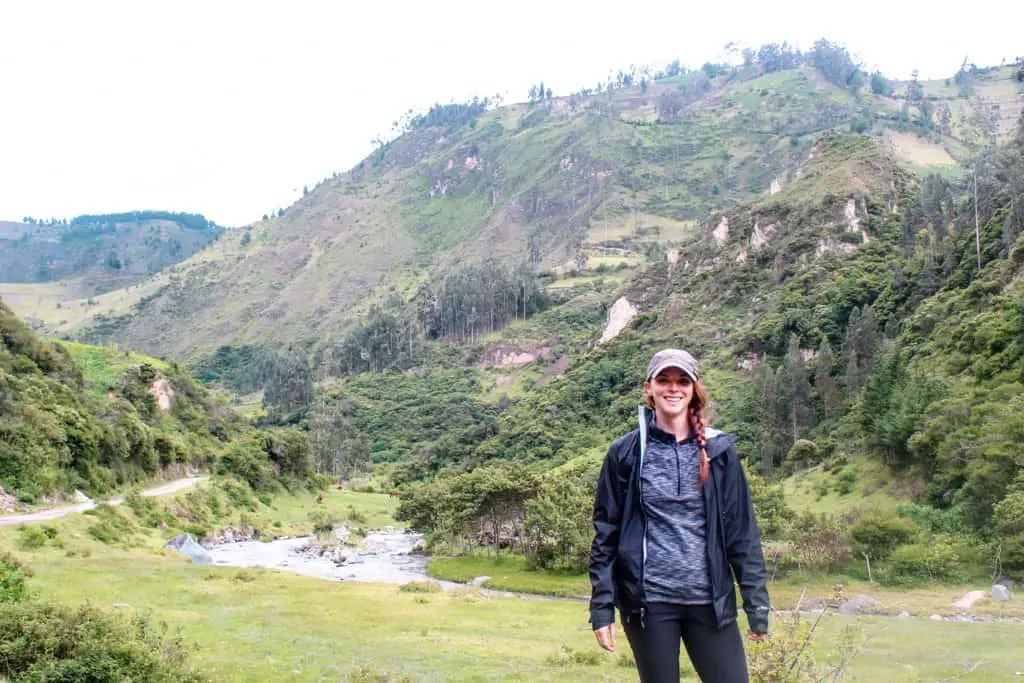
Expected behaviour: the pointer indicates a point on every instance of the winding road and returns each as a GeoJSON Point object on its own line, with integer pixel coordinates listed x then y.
{"type": "Point", "coordinates": [55, 513]}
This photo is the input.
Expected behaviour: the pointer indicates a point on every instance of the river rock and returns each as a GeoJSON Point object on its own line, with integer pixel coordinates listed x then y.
{"type": "Point", "coordinates": [968, 600]}
{"type": "Point", "coordinates": [1000, 593]}
{"type": "Point", "coordinates": [860, 604]}
{"type": "Point", "coordinates": [187, 546]}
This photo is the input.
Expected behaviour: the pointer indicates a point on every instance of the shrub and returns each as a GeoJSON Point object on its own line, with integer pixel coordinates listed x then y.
{"type": "Point", "coordinates": [819, 542]}
{"type": "Point", "coordinates": [13, 587]}
{"type": "Point", "coordinates": [31, 537]}
{"type": "Point", "coordinates": [803, 451]}
{"type": "Point", "coordinates": [111, 526]}
{"type": "Point", "coordinates": [788, 656]}
{"type": "Point", "coordinates": [45, 642]}
{"type": "Point", "coordinates": [150, 513]}
{"type": "Point", "coordinates": [420, 587]}
{"type": "Point", "coordinates": [366, 674]}
{"type": "Point", "coordinates": [323, 522]}
{"type": "Point", "coordinates": [937, 559]}
{"type": "Point", "coordinates": [355, 516]}
{"type": "Point", "coordinates": [877, 534]}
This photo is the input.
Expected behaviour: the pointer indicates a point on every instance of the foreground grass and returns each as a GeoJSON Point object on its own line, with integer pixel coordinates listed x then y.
{"type": "Point", "coordinates": [263, 625]}
{"type": "Point", "coordinates": [509, 573]}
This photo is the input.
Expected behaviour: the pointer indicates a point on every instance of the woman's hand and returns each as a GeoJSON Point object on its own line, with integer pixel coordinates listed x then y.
{"type": "Point", "coordinates": [755, 637]}
{"type": "Point", "coordinates": [606, 637]}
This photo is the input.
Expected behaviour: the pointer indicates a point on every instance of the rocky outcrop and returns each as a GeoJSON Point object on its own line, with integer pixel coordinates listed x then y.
{"type": "Point", "coordinates": [721, 231]}
{"type": "Point", "coordinates": [509, 356]}
{"type": "Point", "coordinates": [162, 394]}
{"type": "Point", "coordinates": [619, 316]}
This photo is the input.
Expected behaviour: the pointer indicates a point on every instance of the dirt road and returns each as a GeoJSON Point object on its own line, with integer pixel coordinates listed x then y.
{"type": "Point", "coordinates": [55, 513]}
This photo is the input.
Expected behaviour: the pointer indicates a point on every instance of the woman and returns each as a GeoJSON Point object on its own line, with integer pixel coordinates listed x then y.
{"type": "Point", "coordinates": [675, 525]}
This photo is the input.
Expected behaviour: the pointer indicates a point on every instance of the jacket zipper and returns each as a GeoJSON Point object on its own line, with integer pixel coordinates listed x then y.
{"type": "Point", "coordinates": [643, 509]}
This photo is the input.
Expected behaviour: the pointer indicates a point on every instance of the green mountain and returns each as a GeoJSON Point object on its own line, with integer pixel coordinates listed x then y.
{"type": "Point", "coordinates": [559, 185]}
{"type": "Point", "coordinates": [472, 305]}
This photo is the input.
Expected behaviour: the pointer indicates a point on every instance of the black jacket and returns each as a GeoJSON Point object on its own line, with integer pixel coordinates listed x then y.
{"type": "Point", "coordinates": [733, 541]}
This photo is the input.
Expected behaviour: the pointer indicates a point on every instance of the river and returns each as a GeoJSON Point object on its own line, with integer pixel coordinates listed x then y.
{"type": "Point", "coordinates": [383, 557]}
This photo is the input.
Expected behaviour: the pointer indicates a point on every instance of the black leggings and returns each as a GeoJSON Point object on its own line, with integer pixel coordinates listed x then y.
{"type": "Point", "coordinates": [717, 655]}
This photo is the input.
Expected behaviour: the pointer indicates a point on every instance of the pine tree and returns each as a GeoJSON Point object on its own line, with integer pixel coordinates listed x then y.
{"type": "Point", "coordinates": [798, 392]}
{"type": "Point", "coordinates": [824, 383]}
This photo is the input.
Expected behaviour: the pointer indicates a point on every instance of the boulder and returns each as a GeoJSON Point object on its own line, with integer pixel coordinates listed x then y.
{"type": "Point", "coordinates": [187, 546]}
{"type": "Point", "coordinates": [81, 497]}
{"type": "Point", "coordinates": [860, 604]}
{"type": "Point", "coordinates": [1000, 593]}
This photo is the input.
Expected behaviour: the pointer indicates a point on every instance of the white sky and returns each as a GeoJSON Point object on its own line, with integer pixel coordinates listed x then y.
{"type": "Point", "coordinates": [229, 108]}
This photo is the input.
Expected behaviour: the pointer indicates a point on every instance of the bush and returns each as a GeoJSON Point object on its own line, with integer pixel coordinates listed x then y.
{"type": "Point", "coordinates": [148, 511]}
{"type": "Point", "coordinates": [111, 526]}
{"type": "Point", "coordinates": [355, 516]}
{"type": "Point", "coordinates": [44, 642]}
{"type": "Point", "coordinates": [937, 559]}
{"type": "Point", "coordinates": [323, 522]}
{"type": "Point", "coordinates": [420, 587]}
{"type": "Point", "coordinates": [13, 587]}
{"type": "Point", "coordinates": [32, 537]}
{"type": "Point", "coordinates": [819, 542]}
{"type": "Point", "coordinates": [788, 655]}
{"type": "Point", "coordinates": [803, 451]}
{"type": "Point", "coordinates": [877, 534]}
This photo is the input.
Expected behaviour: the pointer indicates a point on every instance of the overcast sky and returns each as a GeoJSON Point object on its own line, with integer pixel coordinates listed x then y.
{"type": "Point", "coordinates": [229, 108]}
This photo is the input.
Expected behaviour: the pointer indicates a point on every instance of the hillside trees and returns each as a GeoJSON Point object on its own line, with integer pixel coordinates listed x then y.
{"type": "Point", "coordinates": [835, 63]}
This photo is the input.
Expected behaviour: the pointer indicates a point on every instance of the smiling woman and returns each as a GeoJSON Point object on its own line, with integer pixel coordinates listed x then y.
{"type": "Point", "coordinates": [655, 556]}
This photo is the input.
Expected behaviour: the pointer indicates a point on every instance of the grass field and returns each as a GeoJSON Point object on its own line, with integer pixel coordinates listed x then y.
{"type": "Point", "coordinates": [259, 625]}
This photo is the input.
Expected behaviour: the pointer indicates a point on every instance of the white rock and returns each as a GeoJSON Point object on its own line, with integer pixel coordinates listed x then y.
{"type": "Point", "coordinates": [936, 617]}
{"type": "Point", "coordinates": [721, 233]}
{"type": "Point", "coordinates": [81, 497]}
{"type": "Point", "coordinates": [619, 316]}
{"type": "Point", "coordinates": [904, 614]}
{"type": "Point", "coordinates": [479, 581]}
{"type": "Point", "coordinates": [968, 600]}
{"type": "Point", "coordinates": [1000, 593]}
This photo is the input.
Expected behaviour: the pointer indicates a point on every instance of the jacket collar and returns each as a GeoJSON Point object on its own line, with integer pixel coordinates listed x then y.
{"type": "Point", "coordinates": [718, 441]}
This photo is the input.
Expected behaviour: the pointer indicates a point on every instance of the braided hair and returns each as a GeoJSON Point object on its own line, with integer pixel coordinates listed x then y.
{"type": "Point", "coordinates": [698, 422]}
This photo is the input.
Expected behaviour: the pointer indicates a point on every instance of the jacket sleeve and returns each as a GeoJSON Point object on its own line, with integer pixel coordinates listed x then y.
{"type": "Point", "coordinates": [743, 547]}
{"type": "Point", "coordinates": [604, 549]}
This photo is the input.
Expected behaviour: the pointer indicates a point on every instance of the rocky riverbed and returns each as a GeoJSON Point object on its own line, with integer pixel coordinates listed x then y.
{"type": "Point", "coordinates": [386, 556]}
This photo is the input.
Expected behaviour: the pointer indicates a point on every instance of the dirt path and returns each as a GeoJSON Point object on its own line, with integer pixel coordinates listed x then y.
{"type": "Point", "coordinates": [56, 513]}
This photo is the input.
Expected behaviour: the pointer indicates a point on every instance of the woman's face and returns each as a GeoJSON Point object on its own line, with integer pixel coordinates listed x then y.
{"type": "Point", "coordinates": [671, 390]}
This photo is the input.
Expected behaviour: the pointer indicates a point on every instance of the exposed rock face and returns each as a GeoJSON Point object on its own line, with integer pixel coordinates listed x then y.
{"type": "Point", "coordinates": [162, 393]}
{"type": "Point", "coordinates": [850, 216]}
{"type": "Point", "coordinates": [742, 256]}
{"type": "Point", "coordinates": [721, 232]}
{"type": "Point", "coordinates": [761, 234]}
{"type": "Point", "coordinates": [775, 187]}
{"type": "Point", "coordinates": [509, 356]}
{"type": "Point", "coordinates": [619, 316]}
{"type": "Point", "coordinates": [7, 501]}
{"type": "Point", "coordinates": [672, 256]}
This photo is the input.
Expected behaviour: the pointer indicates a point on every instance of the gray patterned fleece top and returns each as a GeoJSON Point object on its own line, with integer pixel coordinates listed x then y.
{"type": "Point", "coordinates": [675, 549]}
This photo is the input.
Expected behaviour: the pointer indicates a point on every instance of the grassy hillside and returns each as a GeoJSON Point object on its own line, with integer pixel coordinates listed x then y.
{"type": "Point", "coordinates": [77, 416]}
{"type": "Point", "coordinates": [94, 254]}
{"type": "Point", "coordinates": [569, 186]}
